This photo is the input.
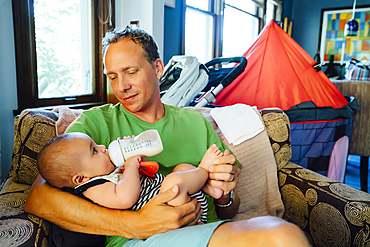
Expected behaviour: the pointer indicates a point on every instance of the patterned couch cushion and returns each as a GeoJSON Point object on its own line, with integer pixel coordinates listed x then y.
{"type": "Point", "coordinates": [32, 129]}
{"type": "Point", "coordinates": [330, 213]}
{"type": "Point", "coordinates": [278, 128]}
{"type": "Point", "coordinates": [18, 228]}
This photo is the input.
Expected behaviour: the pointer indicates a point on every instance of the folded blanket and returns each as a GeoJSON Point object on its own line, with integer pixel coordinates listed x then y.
{"type": "Point", "coordinates": [238, 122]}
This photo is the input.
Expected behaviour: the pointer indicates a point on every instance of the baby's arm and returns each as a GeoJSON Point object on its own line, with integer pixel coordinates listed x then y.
{"type": "Point", "coordinates": [122, 195]}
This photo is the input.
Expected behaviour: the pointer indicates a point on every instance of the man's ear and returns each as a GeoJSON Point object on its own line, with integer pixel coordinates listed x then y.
{"type": "Point", "coordinates": [80, 179]}
{"type": "Point", "coordinates": [159, 67]}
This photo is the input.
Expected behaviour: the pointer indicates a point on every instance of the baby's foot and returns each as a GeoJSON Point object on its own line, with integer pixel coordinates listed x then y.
{"type": "Point", "coordinates": [212, 153]}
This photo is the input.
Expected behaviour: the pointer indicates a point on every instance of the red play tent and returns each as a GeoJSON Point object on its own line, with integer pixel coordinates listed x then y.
{"type": "Point", "coordinates": [281, 74]}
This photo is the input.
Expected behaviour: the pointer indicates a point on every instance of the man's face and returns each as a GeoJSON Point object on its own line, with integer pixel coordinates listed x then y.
{"type": "Point", "coordinates": [133, 79]}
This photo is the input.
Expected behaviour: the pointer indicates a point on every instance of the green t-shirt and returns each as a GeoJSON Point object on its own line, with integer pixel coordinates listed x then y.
{"type": "Point", "coordinates": [185, 134]}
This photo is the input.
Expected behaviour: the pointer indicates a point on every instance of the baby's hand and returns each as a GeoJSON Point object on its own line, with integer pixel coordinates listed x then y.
{"type": "Point", "coordinates": [133, 161]}
{"type": "Point", "coordinates": [125, 137]}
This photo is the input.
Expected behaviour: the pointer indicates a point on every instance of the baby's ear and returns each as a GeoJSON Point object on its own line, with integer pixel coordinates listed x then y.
{"type": "Point", "coordinates": [79, 179]}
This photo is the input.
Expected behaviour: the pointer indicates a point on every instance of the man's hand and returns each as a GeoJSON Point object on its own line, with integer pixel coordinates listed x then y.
{"type": "Point", "coordinates": [157, 216]}
{"type": "Point", "coordinates": [224, 174]}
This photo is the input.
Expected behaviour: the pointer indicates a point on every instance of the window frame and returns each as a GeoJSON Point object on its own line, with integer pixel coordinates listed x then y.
{"type": "Point", "coordinates": [26, 62]}
{"type": "Point", "coordinates": [217, 7]}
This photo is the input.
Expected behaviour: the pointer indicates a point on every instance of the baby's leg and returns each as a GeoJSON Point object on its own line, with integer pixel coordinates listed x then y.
{"type": "Point", "coordinates": [190, 180]}
{"type": "Point", "coordinates": [183, 167]}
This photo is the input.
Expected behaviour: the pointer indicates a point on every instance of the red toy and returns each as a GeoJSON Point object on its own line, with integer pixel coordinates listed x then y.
{"type": "Point", "coordinates": [148, 168]}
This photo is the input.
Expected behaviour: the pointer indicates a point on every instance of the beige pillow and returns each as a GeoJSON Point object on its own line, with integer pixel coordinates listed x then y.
{"type": "Point", "coordinates": [32, 130]}
{"type": "Point", "coordinates": [258, 183]}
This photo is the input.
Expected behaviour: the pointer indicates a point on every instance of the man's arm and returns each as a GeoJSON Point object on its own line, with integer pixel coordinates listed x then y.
{"type": "Point", "coordinates": [76, 214]}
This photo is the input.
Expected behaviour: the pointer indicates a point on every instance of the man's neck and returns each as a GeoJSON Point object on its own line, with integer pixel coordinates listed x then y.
{"type": "Point", "coordinates": [152, 114]}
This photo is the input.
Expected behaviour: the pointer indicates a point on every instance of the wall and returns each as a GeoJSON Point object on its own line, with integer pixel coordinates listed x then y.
{"type": "Point", "coordinates": [306, 16]}
{"type": "Point", "coordinates": [150, 16]}
{"type": "Point", "coordinates": [173, 18]}
{"type": "Point", "coordinates": [8, 91]}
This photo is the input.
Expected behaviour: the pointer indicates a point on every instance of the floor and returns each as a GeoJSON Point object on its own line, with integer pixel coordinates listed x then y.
{"type": "Point", "coordinates": [352, 177]}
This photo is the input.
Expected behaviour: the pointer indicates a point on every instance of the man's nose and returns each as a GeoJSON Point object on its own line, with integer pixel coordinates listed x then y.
{"type": "Point", "coordinates": [123, 84]}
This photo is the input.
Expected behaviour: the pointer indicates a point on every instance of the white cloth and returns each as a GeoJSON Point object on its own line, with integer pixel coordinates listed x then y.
{"type": "Point", "coordinates": [338, 159]}
{"type": "Point", "coordinates": [238, 129]}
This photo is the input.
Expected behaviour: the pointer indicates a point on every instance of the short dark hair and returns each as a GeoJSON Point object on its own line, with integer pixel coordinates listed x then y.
{"type": "Point", "coordinates": [138, 36]}
{"type": "Point", "coordinates": [57, 165]}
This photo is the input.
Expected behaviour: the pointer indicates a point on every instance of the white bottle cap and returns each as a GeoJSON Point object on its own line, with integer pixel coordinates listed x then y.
{"type": "Point", "coordinates": [115, 153]}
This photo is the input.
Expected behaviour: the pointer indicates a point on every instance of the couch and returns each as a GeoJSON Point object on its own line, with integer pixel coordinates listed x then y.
{"type": "Point", "coordinates": [329, 212]}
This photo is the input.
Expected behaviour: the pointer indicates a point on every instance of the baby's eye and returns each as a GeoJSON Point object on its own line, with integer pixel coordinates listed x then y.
{"type": "Point", "coordinates": [94, 151]}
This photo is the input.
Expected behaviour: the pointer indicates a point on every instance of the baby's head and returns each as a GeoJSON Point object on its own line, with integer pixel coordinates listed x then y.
{"type": "Point", "coordinates": [72, 159]}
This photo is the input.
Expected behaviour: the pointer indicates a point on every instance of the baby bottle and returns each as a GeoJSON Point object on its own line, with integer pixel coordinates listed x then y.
{"type": "Point", "coordinates": [147, 143]}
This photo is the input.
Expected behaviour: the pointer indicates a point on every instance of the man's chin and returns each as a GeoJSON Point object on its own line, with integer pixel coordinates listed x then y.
{"type": "Point", "coordinates": [132, 109]}
{"type": "Point", "coordinates": [130, 106]}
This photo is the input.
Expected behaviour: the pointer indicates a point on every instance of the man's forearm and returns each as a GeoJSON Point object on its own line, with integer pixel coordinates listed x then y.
{"type": "Point", "coordinates": [75, 214]}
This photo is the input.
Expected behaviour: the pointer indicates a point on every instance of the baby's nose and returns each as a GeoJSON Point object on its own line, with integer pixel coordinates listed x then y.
{"type": "Point", "coordinates": [102, 148]}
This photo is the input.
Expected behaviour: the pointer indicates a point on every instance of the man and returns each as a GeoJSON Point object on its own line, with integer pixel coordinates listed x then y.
{"type": "Point", "coordinates": [133, 66]}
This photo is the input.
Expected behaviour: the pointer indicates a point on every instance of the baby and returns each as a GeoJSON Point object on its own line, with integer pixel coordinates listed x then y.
{"type": "Point", "coordinates": [75, 161]}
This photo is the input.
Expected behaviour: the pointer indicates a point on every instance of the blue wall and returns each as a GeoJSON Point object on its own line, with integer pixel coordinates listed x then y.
{"type": "Point", "coordinates": [306, 17]}
{"type": "Point", "coordinates": [172, 41]}
{"type": "Point", "coordinates": [8, 85]}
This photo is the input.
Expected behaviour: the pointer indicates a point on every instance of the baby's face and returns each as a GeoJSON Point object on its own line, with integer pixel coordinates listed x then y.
{"type": "Point", "coordinates": [93, 159]}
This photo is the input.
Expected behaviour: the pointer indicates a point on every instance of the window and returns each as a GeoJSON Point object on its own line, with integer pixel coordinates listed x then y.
{"type": "Point", "coordinates": [58, 55]}
{"type": "Point", "coordinates": [240, 28]}
{"type": "Point", "coordinates": [61, 73]}
{"type": "Point", "coordinates": [273, 10]}
{"type": "Point", "coordinates": [225, 28]}
{"type": "Point", "coordinates": [199, 29]}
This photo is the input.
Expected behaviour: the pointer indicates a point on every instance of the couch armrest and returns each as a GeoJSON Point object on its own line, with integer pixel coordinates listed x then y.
{"type": "Point", "coordinates": [18, 227]}
{"type": "Point", "coordinates": [329, 212]}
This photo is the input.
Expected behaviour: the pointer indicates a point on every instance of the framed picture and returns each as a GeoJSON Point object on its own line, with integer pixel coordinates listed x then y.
{"type": "Point", "coordinates": [332, 39]}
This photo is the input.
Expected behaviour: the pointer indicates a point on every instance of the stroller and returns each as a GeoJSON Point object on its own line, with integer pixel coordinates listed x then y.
{"type": "Point", "coordinates": [186, 82]}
